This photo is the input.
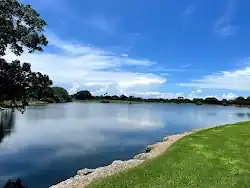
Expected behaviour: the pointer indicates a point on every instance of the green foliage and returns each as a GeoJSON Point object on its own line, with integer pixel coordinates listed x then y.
{"type": "Point", "coordinates": [216, 157]}
{"type": "Point", "coordinates": [82, 95]}
{"type": "Point", "coordinates": [86, 95]}
{"type": "Point", "coordinates": [123, 97]}
{"type": "Point", "coordinates": [211, 100]}
{"type": "Point", "coordinates": [61, 94]}
{"type": "Point", "coordinates": [180, 100]}
{"type": "Point", "coordinates": [224, 102]}
{"type": "Point", "coordinates": [20, 26]}
{"type": "Point", "coordinates": [19, 84]}
{"type": "Point", "coordinates": [198, 101]}
{"type": "Point", "coordinates": [241, 101]}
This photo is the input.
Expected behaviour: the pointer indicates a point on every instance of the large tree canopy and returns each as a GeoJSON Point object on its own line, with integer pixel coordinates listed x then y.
{"type": "Point", "coordinates": [19, 84]}
{"type": "Point", "coordinates": [61, 94]}
{"type": "Point", "coordinates": [21, 28]}
{"type": "Point", "coordinates": [83, 95]}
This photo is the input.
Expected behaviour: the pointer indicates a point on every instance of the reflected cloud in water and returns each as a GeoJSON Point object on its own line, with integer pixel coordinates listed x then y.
{"type": "Point", "coordinates": [33, 113]}
{"type": "Point", "coordinates": [58, 139]}
{"type": "Point", "coordinates": [242, 114]}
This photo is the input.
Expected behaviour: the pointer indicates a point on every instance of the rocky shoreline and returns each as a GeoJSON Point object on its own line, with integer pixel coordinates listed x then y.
{"type": "Point", "coordinates": [85, 176]}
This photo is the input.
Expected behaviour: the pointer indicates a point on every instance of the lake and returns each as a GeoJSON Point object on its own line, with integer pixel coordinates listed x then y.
{"type": "Point", "coordinates": [48, 144]}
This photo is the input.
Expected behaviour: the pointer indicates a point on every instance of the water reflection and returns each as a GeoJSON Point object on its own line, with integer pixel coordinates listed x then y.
{"type": "Point", "coordinates": [242, 115]}
{"type": "Point", "coordinates": [7, 121]}
{"type": "Point", "coordinates": [34, 112]}
{"type": "Point", "coordinates": [50, 143]}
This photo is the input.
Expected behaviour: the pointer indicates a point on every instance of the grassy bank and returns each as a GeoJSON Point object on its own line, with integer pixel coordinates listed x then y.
{"type": "Point", "coordinates": [215, 158]}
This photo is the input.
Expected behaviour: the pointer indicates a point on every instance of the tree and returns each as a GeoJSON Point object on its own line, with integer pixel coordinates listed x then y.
{"type": "Point", "coordinates": [241, 101]}
{"type": "Point", "coordinates": [198, 101]}
{"type": "Point", "coordinates": [114, 97]}
{"type": "Point", "coordinates": [131, 98]}
{"type": "Point", "coordinates": [21, 28]}
{"type": "Point", "coordinates": [240, 98]}
{"type": "Point", "coordinates": [61, 94]}
{"type": "Point", "coordinates": [123, 97]}
{"type": "Point", "coordinates": [224, 102]}
{"type": "Point", "coordinates": [83, 95]}
{"type": "Point", "coordinates": [211, 100]}
{"type": "Point", "coordinates": [19, 84]}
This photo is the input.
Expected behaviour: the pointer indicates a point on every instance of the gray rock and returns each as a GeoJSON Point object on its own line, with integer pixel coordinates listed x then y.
{"type": "Point", "coordinates": [85, 171]}
{"type": "Point", "coordinates": [171, 138]}
{"type": "Point", "coordinates": [148, 148]}
{"type": "Point", "coordinates": [165, 139]}
{"type": "Point", "coordinates": [141, 156]}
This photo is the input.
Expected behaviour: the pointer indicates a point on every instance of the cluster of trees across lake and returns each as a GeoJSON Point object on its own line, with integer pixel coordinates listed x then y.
{"type": "Point", "coordinates": [60, 95]}
{"type": "Point", "coordinates": [22, 29]}
{"type": "Point", "coordinates": [86, 96]}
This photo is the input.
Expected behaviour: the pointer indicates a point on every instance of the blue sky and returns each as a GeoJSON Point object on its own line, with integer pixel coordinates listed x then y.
{"type": "Point", "coordinates": [163, 48]}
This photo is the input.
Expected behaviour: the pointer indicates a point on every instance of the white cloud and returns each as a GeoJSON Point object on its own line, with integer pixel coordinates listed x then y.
{"type": "Point", "coordinates": [238, 80]}
{"type": "Point", "coordinates": [158, 95]}
{"type": "Point", "coordinates": [74, 88]}
{"type": "Point", "coordinates": [223, 25]}
{"type": "Point", "coordinates": [124, 55]}
{"type": "Point", "coordinates": [229, 96]}
{"type": "Point", "coordinates": [191, 95]}
{"type": "Point", "coordinates": [195, 94]}
{"type": "Point", "coordinates": [198, 91]}
{"type": "Point", "coordinates": [91, 67]}
{"type": "Point", "coordinates": [95, 124]}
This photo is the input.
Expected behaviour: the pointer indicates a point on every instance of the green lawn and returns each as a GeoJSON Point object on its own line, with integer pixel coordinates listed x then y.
{"type": "Point", "coordinates": [212, 158]}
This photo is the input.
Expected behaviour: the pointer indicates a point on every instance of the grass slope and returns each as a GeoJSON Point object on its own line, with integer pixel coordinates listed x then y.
{"type": "Point", "coordinates": [212, 158]}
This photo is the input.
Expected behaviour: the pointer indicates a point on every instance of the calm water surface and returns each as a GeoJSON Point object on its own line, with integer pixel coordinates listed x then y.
{"type": "Point", "coordinates": [50, 143]}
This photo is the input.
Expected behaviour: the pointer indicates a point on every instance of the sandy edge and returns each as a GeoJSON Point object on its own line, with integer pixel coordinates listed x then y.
{"type": "Point", "coordinates": [85, 176]}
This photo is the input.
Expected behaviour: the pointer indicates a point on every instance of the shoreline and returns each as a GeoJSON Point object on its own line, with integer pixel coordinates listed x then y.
{"type": "Point", "coordinates": [86, 176]}
{"type": "Point", "coordinates": [150, 102]}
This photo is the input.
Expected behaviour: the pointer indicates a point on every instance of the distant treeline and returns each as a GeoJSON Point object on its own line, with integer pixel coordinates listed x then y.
{"type": "Point", "coordinates": [60, 95]}
{"type": "Point", "coordinates": [86, 95]}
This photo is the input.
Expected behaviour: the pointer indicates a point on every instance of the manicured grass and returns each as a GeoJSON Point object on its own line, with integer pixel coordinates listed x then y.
{"type": "Point", "coordinates": [212, 158]}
